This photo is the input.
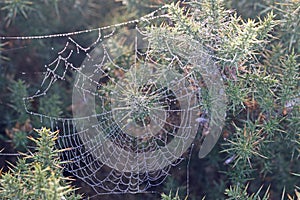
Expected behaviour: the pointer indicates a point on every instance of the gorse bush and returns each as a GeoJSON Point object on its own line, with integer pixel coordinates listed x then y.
{"type": "Point", "coordinates": [255, 46]}
{"type": "Point", "coordinates": [38, 175]}
{"type": "Point", "coordinates": [263, 97]}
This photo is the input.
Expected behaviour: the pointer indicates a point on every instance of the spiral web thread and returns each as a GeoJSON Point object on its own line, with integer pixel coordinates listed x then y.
{"type": "Point", "coordinates": [132, 122]}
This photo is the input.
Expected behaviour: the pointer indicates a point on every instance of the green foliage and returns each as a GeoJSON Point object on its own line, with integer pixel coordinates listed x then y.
{"type": "Point", "coordinates": [171, 197]}
{"type": "Point", "coordinates": [289, 78]}
{"type": "Point", "coordinates": [14, 7]}
{"type": "Point", "coordinates": [244, 146]}
{"type": "Point", "coordinates": [2, 48]}
{"type": "Point", "coordinates": [233, 40]}
{"type": "Point", "coordinates": [50, 106]}
{"type": "Point", "coordinates": [141, 7]}
{"type": "Point", "coordinates": [238, 192]}
{"type": "Point", "coordinates": [238, 95]}
{"type": "Point", "coordinates": [18, 92]}
{"type": "Point", "coordinates": [20, 140]}
{"type": "Point", "coordinates": [262, 86]}
{"type": "Point", "coordinates": [255, 45]}
{"type": "Point", "coordinates": [38, 175]}
{"type": "Point", "coordinates": [17, 121]}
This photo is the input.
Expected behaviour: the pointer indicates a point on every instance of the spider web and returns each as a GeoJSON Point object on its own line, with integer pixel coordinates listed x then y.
{"type": "Point", "coordinates": [137, 103]}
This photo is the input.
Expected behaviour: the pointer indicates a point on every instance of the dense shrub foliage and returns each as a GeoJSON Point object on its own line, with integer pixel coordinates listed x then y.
{"type": "Point", "coordinates": [39, 174]}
